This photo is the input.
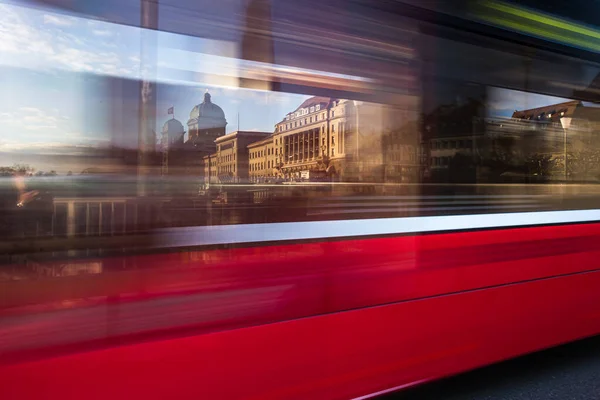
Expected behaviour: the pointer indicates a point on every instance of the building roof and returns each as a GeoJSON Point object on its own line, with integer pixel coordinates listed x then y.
{"type": "Point", "coordinates": [312, 101]}
{"type": "Point", "coordinates": [549, 113]}
{"type": "Point", "coordinates": [173, 126]}
{"type": "Point", "coordinates": [262, 141]}
{"type": "Point", "coordinates": [207, 112]}
{"type": "Point", "coordinates": [235, 134]}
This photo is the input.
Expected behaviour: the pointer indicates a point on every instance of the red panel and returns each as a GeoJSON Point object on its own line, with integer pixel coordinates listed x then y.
{"type": "Point", "coordinates": [225, 289]}
{"type": "Point", "coordinates": [334, 356]}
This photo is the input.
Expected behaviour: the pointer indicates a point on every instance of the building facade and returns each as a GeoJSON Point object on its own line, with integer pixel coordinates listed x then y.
{"type": "Point", "coordinates": [231, 163]}
{"type": "Point", "coordinates": [185, 156]}
{"type": "Point", "coordinates": [328, 138]}
{"type": "Point", "coordinates": [312, 137]}
{"type": "Point", "coordinates": [262, 160]}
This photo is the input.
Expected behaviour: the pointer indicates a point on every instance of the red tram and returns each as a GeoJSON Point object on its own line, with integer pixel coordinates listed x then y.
{"type": "Point", "coordinates": [446, 231]}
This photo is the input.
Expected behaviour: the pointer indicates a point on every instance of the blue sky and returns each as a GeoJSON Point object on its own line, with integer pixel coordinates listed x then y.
{"type": "Point", "coordinates": [50, 65]}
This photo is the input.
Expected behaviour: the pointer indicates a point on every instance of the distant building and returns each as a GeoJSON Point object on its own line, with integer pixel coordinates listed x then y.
{"type": "Point", "coordinates": [209, 164]}
{"type": "Point", "coordinates": [552, 113]}
{"type": "Point", "coordinates": [401, 154]}
{"type": "Point", "coordinates": [450, 130]}
{"type": "Point", "coordinates": [349, 140]}
{"type": "Point", "coordinates": [339, 139]}
{"type": "Point", "coordinates": [230, 162]}
{"type": "Point", "coordinates": [264, 163]}
{"type": "Point", "coordinates": [206, 124]}
{"type": "Point", "coordinates": [172, 141]}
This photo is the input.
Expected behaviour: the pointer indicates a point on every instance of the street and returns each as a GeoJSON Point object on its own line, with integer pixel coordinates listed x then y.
{"type": "Point", "coordinates": [570, 371]}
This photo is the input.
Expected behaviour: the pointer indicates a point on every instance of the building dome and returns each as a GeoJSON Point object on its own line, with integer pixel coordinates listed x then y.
{"type": "Point", "coordinates": [207, 115]}
{"type": "Point", "coordinates": [173, 126]}
{"type": "Point", "coordinates": [172, 133]}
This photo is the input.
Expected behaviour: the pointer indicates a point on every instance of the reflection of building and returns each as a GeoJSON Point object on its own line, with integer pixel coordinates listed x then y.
{"type": "Point", "coordinates": [543, 130]}
{"type": "Point", "coordinates": [323, 137]}
{"type": "Point", "coordinates": [442, 150]}
{"type": "Point", "coordinates": [263, 161]}
{"type": "Point", "coordinates": [350, 140]}
{"type": "Point", "coordinates": [451, 130]}
{"type": "Point", "coordinates": [206, 124]}
{"type": "Point", "coordinates": [209, 164]}
{"type": "Point", "coordinates": [565, 132]}
{"type": "Point", "coordinates": [171, 143]}
{"type": "Point", "coordinates": [302, 139]}
{"type": "Point", "coordinates": [401, 155]}
{"type": "Point", "coordinates": [231, 160]}
{"type": "Point", "coordinates": [552, 113]}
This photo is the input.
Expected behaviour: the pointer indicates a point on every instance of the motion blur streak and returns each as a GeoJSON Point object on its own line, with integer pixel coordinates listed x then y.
{"type": "Point", "coordinates": [541, 25]}
{"type": "Point", "coordinates": [273, 199]}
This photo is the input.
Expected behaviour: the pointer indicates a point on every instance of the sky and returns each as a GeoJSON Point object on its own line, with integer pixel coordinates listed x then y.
{"type": "Point", "coordinates": [58, 74]}
{"type": "Point", "coordinates": [54, 70]}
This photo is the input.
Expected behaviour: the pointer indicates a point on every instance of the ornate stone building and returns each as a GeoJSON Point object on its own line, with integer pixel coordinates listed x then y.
{"type": "Point", "coordinates": [348, 140]}
{"type": "Point", "coordinates": [206, 124]}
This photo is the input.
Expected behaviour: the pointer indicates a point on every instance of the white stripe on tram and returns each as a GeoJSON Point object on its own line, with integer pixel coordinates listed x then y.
{"type": "Point", "coordinates": [291, 231]}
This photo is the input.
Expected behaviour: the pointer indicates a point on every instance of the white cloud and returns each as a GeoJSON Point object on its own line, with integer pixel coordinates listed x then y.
{"type": "Point", "coordinates": [56, 20]}
{"type": "Point", "coordinates": [55, 47]}
{"type": "Point", "coordinates": [69, 39]}
{"type": "Point", "coordinates": [30, 110]}
{"type": "Point", "coordinates": [102, 32]}
{"type": "Point", "coordinates": [34, 119]}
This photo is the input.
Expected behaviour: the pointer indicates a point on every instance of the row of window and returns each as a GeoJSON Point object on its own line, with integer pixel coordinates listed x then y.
{"type": "Point", "coordinates": [440, 161]}
{"type": "Point", "coordinates": [262, 153]}
{"type": "Point", "coordinates": [303, 122]}
{"type": "Point", "coordinates": [227, 168]}
{"type": "Point", "coordinates": [261, 165]}
{"type": "Point", "coordinates": [227, 158]}
{"type": "Point", "coordinates": [303, 111]}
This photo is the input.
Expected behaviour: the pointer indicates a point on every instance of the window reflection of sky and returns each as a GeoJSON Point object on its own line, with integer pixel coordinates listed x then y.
{"type": "Point", "coordinates": [52, 93]}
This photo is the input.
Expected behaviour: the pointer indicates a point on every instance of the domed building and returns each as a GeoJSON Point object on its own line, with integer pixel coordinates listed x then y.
{"type": "Point", "coordinates": [180, 156]}
{"type": "Point", "coordinates": [207, 122]}
{"type": "Point", "coordinates": [172, 134]}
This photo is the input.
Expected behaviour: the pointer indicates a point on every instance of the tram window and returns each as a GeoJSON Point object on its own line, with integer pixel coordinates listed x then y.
{"type": "Point", "coordinates": [105, 150]}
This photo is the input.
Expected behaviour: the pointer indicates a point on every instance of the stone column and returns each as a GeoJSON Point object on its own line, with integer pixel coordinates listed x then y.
{"type": "Point", "coordinates": [303, 147]}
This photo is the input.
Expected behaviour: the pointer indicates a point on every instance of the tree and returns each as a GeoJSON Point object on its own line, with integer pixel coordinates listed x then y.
{"type": "Point", "coordinates": [461, 169]}
{"type": "Point", "coordinates": [540, 167]}
{"type": "Point", "coordinates": [23, 168]}
{"type": "Point", "coordinates": [6, 171]}
{"type": "Point", "coordinates": [583, 164]}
